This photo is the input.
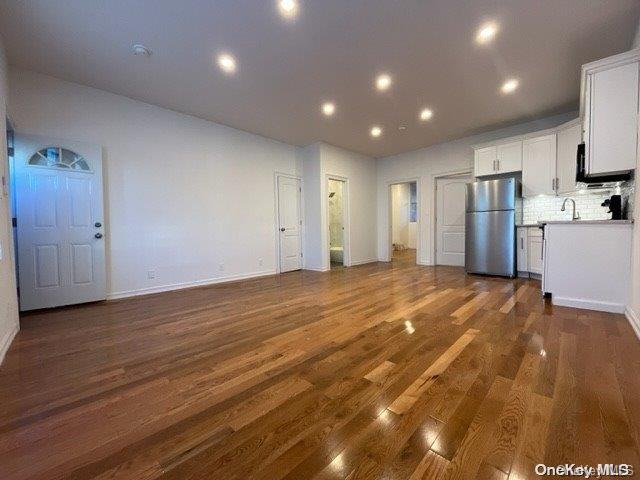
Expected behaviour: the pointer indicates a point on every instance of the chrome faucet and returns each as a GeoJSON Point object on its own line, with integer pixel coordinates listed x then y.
{"type": "Point", "coordinates": [575, 216]}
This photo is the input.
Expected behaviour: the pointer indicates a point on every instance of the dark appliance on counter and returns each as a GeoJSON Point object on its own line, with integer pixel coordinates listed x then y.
{"type": "Point", "coordinates": [595, 181]}
{"type": "Point", "coordinates": [615, 206]}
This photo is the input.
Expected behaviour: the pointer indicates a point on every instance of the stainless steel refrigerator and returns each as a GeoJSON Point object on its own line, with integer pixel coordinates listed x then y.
{"type": "Point", "coordinates": [490, 226]}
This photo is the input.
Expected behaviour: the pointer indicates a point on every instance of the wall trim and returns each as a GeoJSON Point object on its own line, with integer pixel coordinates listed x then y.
{"type": "Point", "coordinates": [634, 320]}
{"type": "Point", "coordinates": [183, 285]}
{"type": "Point", "coordinates": [362, 262]}
{"type": "Point", "coordinates": [588, 304]}
{"type": "Point", "coordinates": [6, 341]}
{"type": "Point", "coordinates": [316, 269]}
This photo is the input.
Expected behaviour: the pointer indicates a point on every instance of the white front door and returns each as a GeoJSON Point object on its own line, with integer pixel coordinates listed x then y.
{"type": "Point", "coordinates": [450, 211]}
{"type": "Point", "coordinates": [289, 223]}
{"type": "Point", "coordinates": [60, 222]}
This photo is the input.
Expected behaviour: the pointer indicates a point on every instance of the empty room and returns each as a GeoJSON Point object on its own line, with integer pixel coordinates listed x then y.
{"type": "Point", "coordinates": [304, 239]}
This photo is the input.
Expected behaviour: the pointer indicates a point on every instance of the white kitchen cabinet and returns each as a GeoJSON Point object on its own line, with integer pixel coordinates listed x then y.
{"type": "Point", "coordinates": [539, 165]}
{"type": "Point", "coordinates": [587, 264]}
{"type": "Point", "coordinates": [536, 254]}
{"type": "Point", "coordinates": [485, 161]}
{"type": "Point", "coordinates": [509, 157]}
{"type": "Point", "coordinates": [522, 240]}
{"type": "Point", "coordinates": [609, 108]}
{"type": "Point", "coordinates": [498, 159]}
{"type": "Point", "coordinates": [569, 137]}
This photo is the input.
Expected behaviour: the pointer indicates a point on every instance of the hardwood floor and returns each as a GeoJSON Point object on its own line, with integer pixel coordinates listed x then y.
{"type": "Point", "coordinates": [391, 371]}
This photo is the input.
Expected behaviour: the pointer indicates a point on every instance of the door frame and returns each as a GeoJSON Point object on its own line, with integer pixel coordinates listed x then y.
{"type": "Point", "coordinates": [346, 222]}
{"type": "Point", "coordinates": [276, 217]}
{"type": "Point", "coordinates": [400, 181]}
{"type": "Point", "coordinates": [433, 227]}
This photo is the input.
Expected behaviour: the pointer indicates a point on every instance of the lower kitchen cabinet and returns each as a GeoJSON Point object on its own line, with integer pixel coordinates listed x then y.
{"type": "Point", "coordinates": [530, 252]}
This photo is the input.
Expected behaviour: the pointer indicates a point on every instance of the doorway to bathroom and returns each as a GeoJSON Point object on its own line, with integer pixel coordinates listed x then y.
{"type": "Point", "coordinates": [404, 222]}
{"type": "Point", "coordinates": [337, 214]}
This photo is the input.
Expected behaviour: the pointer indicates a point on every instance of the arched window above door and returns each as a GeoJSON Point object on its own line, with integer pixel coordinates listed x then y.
{"type": "Point", "coordinates": [58, 157]}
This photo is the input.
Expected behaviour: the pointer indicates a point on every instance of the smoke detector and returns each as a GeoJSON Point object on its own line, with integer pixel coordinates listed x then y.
{"type": "Point", "coordinates": [140, 50]}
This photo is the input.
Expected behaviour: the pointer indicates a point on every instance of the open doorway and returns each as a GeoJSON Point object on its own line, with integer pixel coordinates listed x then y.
{"type": "Point", "coordinates": [336, 192]}
{"type": "Point", "coordinates": [404, 222]}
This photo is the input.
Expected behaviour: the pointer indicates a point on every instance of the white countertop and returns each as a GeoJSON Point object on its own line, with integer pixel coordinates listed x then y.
{"type": "Point", "coordinates": [586, 222]}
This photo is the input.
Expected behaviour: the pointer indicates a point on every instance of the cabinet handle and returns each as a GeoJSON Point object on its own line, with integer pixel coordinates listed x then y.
{"type": "Point", "coordinates": [553, 184]}
{"type": "Point", "coordinates": [494, 165]}
{"type": "Point", "coordinates": [521, 243]}
{"type": "Point", "coordinates": [498, 163]}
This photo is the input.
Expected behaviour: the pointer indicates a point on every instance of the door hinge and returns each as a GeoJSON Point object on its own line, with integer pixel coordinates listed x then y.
{"type": "Point", "coordinates": [301, 254]}
{"type": "Point", "coordinates": [11, 151]}
{"type": "Point", "coordinates": [300, 189]}
{"type": "Point", "coordinates": [14, 222]}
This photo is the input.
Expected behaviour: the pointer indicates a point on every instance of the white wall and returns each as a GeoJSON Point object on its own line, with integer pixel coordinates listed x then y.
{"type": "Point", "coordinates": [633, 310]}
{"type": "Point", "coordinates": [428, 162]}
{"type": "Point", "coordinates": [319, 162]}
{"type": "Point", "coordinates": [183, 196]}
{"type": "Point", "coordinates": [360, 218]}
{"type": "Point", "coordinates": [9, 323]}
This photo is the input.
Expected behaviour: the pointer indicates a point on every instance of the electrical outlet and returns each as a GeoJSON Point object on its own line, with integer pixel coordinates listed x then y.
{"type": "Point", "coordinates": [260, 262]}
{"type": "Point", "coordinates": [221, 267]}
{"type": "Point", "coordinates": [151, 274]}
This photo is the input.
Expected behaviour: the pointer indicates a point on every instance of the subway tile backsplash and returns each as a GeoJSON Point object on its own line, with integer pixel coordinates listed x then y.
{"type": "Point", "coordinates": [588, 205]}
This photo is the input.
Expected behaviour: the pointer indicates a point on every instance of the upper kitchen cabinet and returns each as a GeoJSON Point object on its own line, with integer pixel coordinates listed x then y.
{"type": "Point", "coordinates": [539, 165]}
{"type": "Point", "coordinates": [498, 158]}
{"type": "Point", "coordinates": [609, 110]}
{"type": "Point", "coordinates": [569, 137]}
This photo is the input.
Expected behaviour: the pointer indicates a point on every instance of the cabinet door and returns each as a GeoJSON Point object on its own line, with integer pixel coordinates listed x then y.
{"type": "Point", "coordinates": [539, 165]}
{"type": "Point", "coordinates": [509, 157]}
{"type": "Point", "coordinates": [568, 140]}
{"type": "Point", "coordinates": [535, 251]}
{"type": "Point", "coordinates": [522, 244]}
{"type": "Point", "coordinates": [485, 161]}
{"type": "Point", "coordinates": [613, 119]}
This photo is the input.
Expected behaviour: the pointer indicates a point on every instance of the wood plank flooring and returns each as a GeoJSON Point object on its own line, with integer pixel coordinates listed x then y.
{"type": "Point", "coordinates": [381, 371]}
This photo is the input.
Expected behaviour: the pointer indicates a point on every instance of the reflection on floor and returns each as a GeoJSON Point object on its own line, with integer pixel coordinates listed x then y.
{"type": "Point", "coordinates": [384, 370]}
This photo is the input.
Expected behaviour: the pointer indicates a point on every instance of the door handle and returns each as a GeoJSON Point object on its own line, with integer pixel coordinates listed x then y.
{"type": "Point", "coordinates": [282, 229]}
{"type": "Point", "coordinates": [97, 225]}
{"type": "Point", "coordinates": [98, 235]}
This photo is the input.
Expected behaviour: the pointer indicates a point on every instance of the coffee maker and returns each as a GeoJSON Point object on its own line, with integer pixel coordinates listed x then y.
{"type": "Point", "coordinates": [615, 206]}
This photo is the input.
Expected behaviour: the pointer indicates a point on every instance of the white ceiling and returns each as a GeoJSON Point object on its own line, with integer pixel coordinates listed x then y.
{"type": "Point", "coordinates": [332, 50]}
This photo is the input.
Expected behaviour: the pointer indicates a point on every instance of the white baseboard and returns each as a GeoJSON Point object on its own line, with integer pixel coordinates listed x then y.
{"type": "Point", "coordinates": [180, 286]}
{"type": "Point", "coordinates": [588, 304]}
{"type": "Point", "coordinates": [316, 269]}
{"type": "Point", "coordinates": [5, 343]}
{"type": "Point", "coordinates": [634, 320]}
{"type": "Point", "coordinates": [362, 262]}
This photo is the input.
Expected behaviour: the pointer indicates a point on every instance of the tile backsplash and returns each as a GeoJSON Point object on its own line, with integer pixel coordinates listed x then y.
{"type": "Point", "coordinates": [588, 205]}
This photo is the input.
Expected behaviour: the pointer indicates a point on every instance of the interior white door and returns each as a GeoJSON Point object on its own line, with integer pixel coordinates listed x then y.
{"type": "Point", "coordinates": [450, 212]}
{"type": "Point", "coordinates": [60, 222]}
{"type": "Point", "coordinates": [289, 223]}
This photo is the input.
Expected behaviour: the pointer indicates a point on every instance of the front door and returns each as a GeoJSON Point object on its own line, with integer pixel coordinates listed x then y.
{"type": "Point", "coordinates": [289, 223]}
{"type": "Point", "coordinates": [60, 222]}
{"type": "Point", "coordinates": [450, 198]}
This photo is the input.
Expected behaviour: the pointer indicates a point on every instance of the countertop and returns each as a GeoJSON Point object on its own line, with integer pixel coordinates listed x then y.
{"type": "Point", "coordinates": [586, 222]}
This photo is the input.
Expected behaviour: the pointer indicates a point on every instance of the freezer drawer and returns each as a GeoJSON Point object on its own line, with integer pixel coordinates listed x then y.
{"type": "Point", "coordinates": [491, 243]}
{"type": "Point", "coordinates": [488, 195]}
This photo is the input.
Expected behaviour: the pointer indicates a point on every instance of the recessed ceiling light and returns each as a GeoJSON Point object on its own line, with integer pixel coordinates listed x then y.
{"type": "Point", "coordinates": [140, 50]}
{"type": "Point", "coordinates": [288, 8]}
{"type": "Point", "coordinates": [486, 33]}
{"type": "Point", "coordinates": [383, 81]}
{"type": "Point", "coordinates": [426, 114]}
{"type": "Point", "coordinates": [227, 63]}
{"type": "Point", "coordinates": [376, 131]}
{"type": "Point", "coordinates": [328, 108]}
{"type": "Point", "coordinates": [509, 86]}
